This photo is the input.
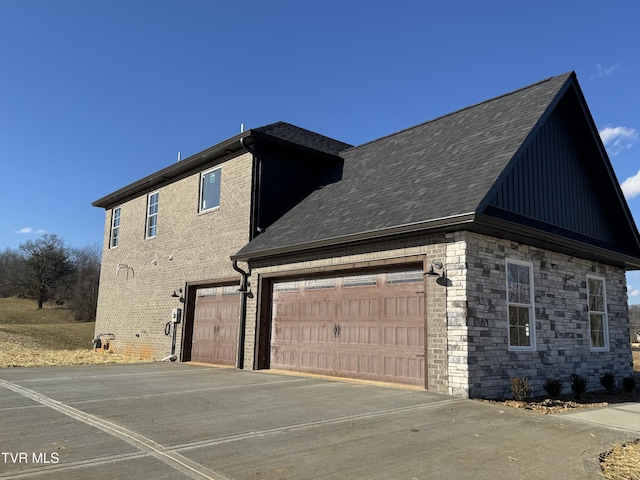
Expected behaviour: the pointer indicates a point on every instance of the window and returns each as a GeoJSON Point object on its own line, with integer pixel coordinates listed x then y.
{"type": "Point", "coordinates": [152, 214]}
{"type": "Point", "coordinates": [520, 305]}
{"type": "Point", "coordinates": [115, 228]}
{"type": "Point", "coordinates": [360, 280]}
{"type": "Point", "coordinates": [597, 313]}
{"type": "Point", "coordinates": [318, 283]}
{"type": "Point", "coordinates": [405, 277]}
{"type": "Point", "coordinates": [285, 286]}
{"type": "Point", "coordinates": [210, 190]}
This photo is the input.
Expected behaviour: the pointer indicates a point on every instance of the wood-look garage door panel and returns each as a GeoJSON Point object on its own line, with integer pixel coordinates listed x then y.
{"type": "Point", "coordinates": [215, 326]}
{"type": "Point", "coordinates": [364, 326]}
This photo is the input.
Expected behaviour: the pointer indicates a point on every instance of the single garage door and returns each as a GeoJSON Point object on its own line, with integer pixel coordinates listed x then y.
{"type": "Point", "coordinates": [368, 326]}
{"type": "Point", "coordinates": [215, 325]}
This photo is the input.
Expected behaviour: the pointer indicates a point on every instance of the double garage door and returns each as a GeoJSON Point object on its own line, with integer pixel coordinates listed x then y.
{"type": "Point", "coordinates": [368, 326]}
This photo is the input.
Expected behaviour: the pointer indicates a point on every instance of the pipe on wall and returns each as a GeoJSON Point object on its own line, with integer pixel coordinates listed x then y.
{"type": "Point", "coordinates": [244, 293]}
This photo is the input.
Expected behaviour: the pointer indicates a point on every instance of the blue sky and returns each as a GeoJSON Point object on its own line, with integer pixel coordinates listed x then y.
{"type": "Point", "coordinates": [97, 94]}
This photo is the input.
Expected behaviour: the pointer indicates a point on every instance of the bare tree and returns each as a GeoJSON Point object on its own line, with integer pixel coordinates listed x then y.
{"type": "Point", "coordinates": [634, 322]}
{"type": "Point", "coordinates": [84, 282]}
{"type": "Point", "coordinates": [46, 264]}
{"type": "Point", "coordinates": [11, 272]}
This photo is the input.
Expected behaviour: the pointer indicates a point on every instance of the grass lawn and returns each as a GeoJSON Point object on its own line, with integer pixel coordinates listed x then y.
{"type": "Point", "coordinates": [52, 327]}
{"type": "Point", "coordinates": [25, 312]}
{"type": "Point", "coordinates": [49, 336]}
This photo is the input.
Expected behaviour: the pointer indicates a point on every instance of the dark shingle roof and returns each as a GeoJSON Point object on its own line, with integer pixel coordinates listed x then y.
{"type": "Point", "coordinates": [441, 169]}
{"type": "Point", "coordinates": [279, 133]}
{"type": "Point", "coordinates": [297, 136]}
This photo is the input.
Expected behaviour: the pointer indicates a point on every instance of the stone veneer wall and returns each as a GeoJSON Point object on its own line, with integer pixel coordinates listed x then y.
{"type": "Point", "coordinates": [561, 318]}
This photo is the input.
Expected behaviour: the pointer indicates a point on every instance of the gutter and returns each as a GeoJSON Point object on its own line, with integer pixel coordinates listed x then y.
{"type": "Point", "coordinates": [244, 293]}
{"type": "Point", "coordinates": [444, 223]}
{"type": "Point", "coordinates": [222, 150]}
{"type": "Point", "coordinates": [256, 190]}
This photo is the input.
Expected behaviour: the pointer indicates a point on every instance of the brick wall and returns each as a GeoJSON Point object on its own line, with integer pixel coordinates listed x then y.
{"type": "Point", "coordinates": [378, 255]}
{"type": "Point", "coordinates": [135, 304]}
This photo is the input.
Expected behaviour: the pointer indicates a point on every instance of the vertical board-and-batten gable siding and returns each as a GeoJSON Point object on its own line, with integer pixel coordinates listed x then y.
{"type": "Point", "coordinates": [286, 177]}
{"type": "Point", "coordinates": [560, 179]}
{"type": "Point", "coordinates": [189, 247]}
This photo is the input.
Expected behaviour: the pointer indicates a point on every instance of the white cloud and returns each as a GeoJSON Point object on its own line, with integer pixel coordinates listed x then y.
{"type": "Point", "coordinates": [617, 139]}
{"type": "Point", "coordinates": [631, 186]}
{"type": "Point", "coordinates": [606, 71]}
{"type": "Point", "coordinates": [26, 230]}
{"type": "Point", "coordinates": [633, 292]}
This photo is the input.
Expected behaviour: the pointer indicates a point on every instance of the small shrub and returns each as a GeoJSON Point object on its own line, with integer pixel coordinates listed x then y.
{"type": "Point", "coordinates": [629, 384]}
{"type": "Point", "coordinates": [608, 381]}
{"type": "Point", "coordinates": [578, 384]}
{"type": "Point", "coordinates": [520, 388]}
{"type": "Point", "coordinates": [553, 386]}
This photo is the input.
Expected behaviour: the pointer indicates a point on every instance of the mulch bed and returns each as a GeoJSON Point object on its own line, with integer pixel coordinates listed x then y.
{"type": "Point", "coordinates": [567, 403]}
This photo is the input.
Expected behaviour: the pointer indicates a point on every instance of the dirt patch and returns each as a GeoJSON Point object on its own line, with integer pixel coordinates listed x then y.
{"type": "Point", "coordinates": [24, 351]}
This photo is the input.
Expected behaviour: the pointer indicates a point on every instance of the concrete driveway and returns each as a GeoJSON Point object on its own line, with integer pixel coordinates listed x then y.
{"type": "Point", "coordinates": [174, 421]}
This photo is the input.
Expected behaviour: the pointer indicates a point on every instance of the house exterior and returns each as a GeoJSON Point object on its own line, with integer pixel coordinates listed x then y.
{"type": "Point", "coordinates": [486, 244]}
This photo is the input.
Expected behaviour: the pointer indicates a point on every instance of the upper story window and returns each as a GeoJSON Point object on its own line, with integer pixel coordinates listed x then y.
{"type": "Point", "coordinates": [210, 189]}
{"type": "Point", "coordinates": [598, 327]}
{"type": "Point", "coordinates": [520, 305]}
{"type": "Point", "coordinates": [114, 236]}
{"type": "Point", "coordinates": [152, 214]}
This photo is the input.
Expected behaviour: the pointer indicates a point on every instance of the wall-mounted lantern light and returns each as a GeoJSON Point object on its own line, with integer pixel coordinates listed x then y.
{"type": "Point", "coordinates": [436, 265]}
{"type": "Point", "coordinates": [178, 295]}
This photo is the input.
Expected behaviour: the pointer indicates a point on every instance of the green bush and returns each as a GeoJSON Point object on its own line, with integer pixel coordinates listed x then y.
{"type": "Point", "coordinates": [629, 384]}
{"type": "Point", "coordinates": [553, 386]}
{"type": "Point", "coordinates": [608, 381]}
{"type": "Point", "coordinates": [520, 388]}
{"type": "Point", "coordinates": [578, 384]}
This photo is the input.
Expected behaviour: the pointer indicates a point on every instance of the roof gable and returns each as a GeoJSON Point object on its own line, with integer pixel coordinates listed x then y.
{"type": "Point", "coordinates": [561, 182]}
{"type": "Point", "coordinates": [436, 173]}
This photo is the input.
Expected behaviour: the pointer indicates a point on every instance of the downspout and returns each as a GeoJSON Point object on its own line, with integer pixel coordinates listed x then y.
{"type": "Point", "coordinates": [256, 174]}
{"type": "Point", "coordinates": [256, 194]}
{"type": "Point", "coordinates": [244, 293]}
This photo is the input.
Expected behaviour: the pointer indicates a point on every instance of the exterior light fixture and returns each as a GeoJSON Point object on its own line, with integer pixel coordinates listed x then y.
{"type": "Point", "coordinates": [178, 294]}
{"type": "Point", "coordinates": [436, 265]}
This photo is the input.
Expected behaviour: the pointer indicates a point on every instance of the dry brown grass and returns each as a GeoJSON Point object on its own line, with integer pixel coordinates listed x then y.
{"type": "Point", "coordinates": [25, 351]}
{"type": "Point", "coordinates": [35, 338]}
{"type": "Point", "coordinates": [622, 462]}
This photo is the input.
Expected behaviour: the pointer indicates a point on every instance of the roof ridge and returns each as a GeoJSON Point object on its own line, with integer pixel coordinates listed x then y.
{"type": "Point", "coordinates": [264, 129]}
{"type": "Point", "coordinates": [513, 92]}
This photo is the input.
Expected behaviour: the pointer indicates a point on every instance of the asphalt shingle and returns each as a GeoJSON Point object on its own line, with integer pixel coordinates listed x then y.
{"type": "Point", "coordinates": [439, 169]}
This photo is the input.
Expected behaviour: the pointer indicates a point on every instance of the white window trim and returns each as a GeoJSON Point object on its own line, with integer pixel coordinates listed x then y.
{"type": "Point", "coordinates": [605, 320]}
{"type": "Point", "coordinates": [114, 228]}
{"type": "Point", "coordinates": [201, 193]}
{"type": "Point", "coordinates": [148, 217]}
{"type": "Point", "coordinates": [531, 306]}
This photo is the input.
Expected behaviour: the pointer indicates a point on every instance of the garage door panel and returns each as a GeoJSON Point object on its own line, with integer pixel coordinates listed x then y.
{"type": "Point", "coordinates": [365, 326]}
{"type": "Point", "coordinates": [215, 325]}
{"type": "Point", "coordinates": [358, 334]}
